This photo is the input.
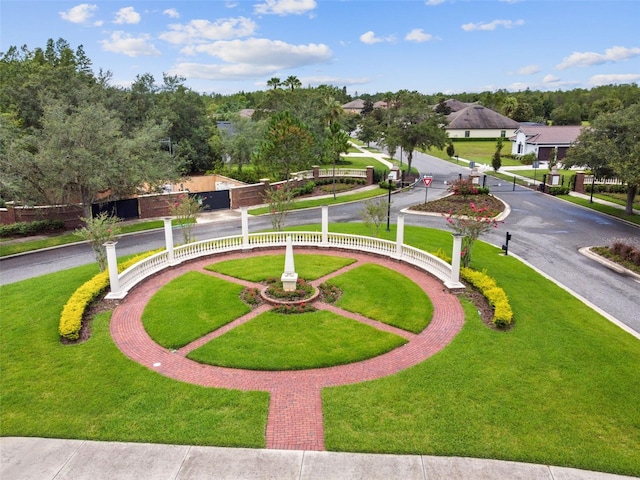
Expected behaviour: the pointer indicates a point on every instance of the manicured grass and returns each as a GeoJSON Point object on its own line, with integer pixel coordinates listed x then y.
{"type": "Point", "coordinates": [189, 307]}
{"type": "Point", "coordinates": [275, 341]}
{"type": "Point", "coordinates": [478, 151]}
{"type": "Point", "coordinates": [538, 173]}
{"type": "Point", "coordinates": [384, 295]}
{"type": "Point", "coordinates": [608, 209]}
{"type": "Point", "coordinates": [617, 198]}
{"type": "Point", "coordinates": [560, 388]}
{"type": "Point", "coordinates": [260, 267]}
{"type": "Point", "coordinates": [298, 205]}
{"type": "Point", "coordinates": [357, 162]}
{"type": "Point", "coordinates": [92, 391]}
{"type": "Point", "coordinates": [7, 248]}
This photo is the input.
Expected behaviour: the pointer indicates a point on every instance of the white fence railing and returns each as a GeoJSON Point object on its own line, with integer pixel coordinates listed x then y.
{"type": "Point", "coordinates": [125, 281]}
{"type": "Point", "coordinates": [588, 180]}
{"type": "Point", "coordinates": [343, 172]}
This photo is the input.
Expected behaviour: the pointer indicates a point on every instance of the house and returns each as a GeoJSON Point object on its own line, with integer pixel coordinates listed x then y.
{"type": "Point", "coordinates": [471, 120]}
{"type": "Point", "coordinates": [354, 106]}
{"type": "Point", "coordinates": [543, 140]}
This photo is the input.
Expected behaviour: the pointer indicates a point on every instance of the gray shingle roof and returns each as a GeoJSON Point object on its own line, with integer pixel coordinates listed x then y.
{"type": "Point", "coordinates": [546, 135]}
{"type": "Point", "coordinates": [479, 117]}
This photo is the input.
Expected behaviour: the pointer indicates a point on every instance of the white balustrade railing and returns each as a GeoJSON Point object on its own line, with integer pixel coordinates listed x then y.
{"type": "Point", "coordinates": [122, 283]}
{"type": "Point", "coordinates": [343, 172]}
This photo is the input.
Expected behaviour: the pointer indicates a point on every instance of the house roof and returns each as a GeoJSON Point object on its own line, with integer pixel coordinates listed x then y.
{"type": "Point", "coordinates": [474, 117]}
{"type": "Point", "coordinates": [546, 135]}
{"type": "Point", "coordinates": [357, 104]}
{"type": "Point", "coordinates": [456, 105]}
{"type": "Point", "coordinates": [246, 112]}
{"type": "Point", "coordinates": [380, 104]}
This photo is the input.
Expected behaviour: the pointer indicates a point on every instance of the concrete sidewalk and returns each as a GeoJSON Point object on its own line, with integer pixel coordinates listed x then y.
{"type": "Point", "coordinates": [52, 459]}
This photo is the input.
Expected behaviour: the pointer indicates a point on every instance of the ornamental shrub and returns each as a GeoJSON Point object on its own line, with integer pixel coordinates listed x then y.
{"type": "Point", "coordinates": [23, 229]}
{"type": "Point", "coordinates": [73, 311]}
{"type": "Point", "coordinates": [496, 296]}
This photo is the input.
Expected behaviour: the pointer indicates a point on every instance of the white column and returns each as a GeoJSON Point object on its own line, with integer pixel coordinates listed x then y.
{"type": "Point", "coordinates": [325, 225]}
{"type": "Point", "coordinates": [168, 240]}
{"type": "Point", "coordinates": [399, 235]}
{"type": "Point", "coordinates": [245, 227]}
{"type": "Point", "coordinates": [455, 263]}
{"type": "Point", "coordinates": [112, 265]}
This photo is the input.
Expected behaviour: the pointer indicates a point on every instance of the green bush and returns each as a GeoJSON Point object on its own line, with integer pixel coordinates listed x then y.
{"type": "Point", "coordinates": [496, 296]}
{"type": "Point", "coordinates": [24, 229]}
{"type": "Point", "coordinates": [559, 190]}
{"type": "Point", "coordinates": [528, 159]}
{"type": "Point", "coordinates": [73, 311]}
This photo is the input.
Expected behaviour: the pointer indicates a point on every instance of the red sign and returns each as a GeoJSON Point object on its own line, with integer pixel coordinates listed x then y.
{"type": "Point", "coordinates": [427, 181]}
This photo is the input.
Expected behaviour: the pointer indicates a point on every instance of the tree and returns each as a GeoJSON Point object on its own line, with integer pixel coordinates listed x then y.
{"type": "Point", "coordinates": [274, 82]}
{"type": "Point", "coordinates": [470, 227]}
{"type": "Point", "coordinates": [369, 130]}
{"type": "Point", "coordinates": [292, 82]}
{"type": "Point", "coordinates": [242, 140]}
{"type": "Point", "coordinates": [374, 214]}
{"type": "Point", "coordinates": [81, 152]}
{"type": "Point", "coordinates": [496, 160]}
{"type": "Point", "coordinates": [418, 126]}
{"type": "Point", "coordinates": [336, 142]}
{"type": "Point", "coordinates": [287, 146]}
{"type": "Point", "coordinates": [451, 150]}
{"type": "Point", "coordinates": [612, 142]}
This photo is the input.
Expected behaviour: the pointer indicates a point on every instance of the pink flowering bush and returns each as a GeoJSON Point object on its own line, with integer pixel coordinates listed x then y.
{"type": "Point", "coordinates": [470, 227]}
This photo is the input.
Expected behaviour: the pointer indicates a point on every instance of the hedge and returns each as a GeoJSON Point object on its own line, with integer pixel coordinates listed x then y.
{"type": "Point", "coordinates": [496, 296]}
{"type": "Point", "coordinates": [23, 229]}
{"type": "Point", "coordinates": [73, 311]}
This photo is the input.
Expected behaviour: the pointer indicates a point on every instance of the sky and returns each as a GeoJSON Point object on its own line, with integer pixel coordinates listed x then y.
{"type": "Point", "coordinates": [367, 46]}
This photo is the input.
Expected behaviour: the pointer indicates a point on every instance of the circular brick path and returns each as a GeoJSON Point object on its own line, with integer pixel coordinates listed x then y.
{"type": "Point", "coordinates": [295, 411]}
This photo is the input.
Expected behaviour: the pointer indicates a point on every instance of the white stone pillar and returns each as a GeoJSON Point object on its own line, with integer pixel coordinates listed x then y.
{"type": "Point", "coordinates": [112, 265]}
{"type": "Point", "coordinates": [245, 226]}
{"type": "Point", "coordinates": [168, 240]}
{"type": "Point", "coordinates": [455, 263]}
{"type": "Point", "coordinates": [399, 235]}
{"type": "Point", "coordinates": [289, 277]}
{"type": "Point", "coordinates": [325, 225]}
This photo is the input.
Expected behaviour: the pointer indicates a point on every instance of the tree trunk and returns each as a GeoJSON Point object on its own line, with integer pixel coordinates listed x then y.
{"type": "Point", "coordinates": [632, 190]}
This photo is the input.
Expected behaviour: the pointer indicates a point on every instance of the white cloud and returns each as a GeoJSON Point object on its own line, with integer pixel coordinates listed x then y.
{"type": "Point", "coordinates": [418, 35]}
{"type": "Point", "coordinates": [614, 78]}
{"type": "Point", "coordinates": [171, 12]}
{"type": "Point", "coordinates": [528, 70]}
{"type": "Point", "coordinates": [432, 3]}
{"type": "Point", "coordinates": [284, 7]}
{"type": "Point", "coordinates": [550, 79]}
{"type": "Point", "coordinates": [202, 30]}
{"type": "Point", "coordinates": [370, 38]}
{"type": "Point", "coordinates": [586, 59]}
{"type": "Point", "coordinates": [469, 27]}
{"type": "Point", "coordinates": [127, 15]}
{"type": "Point", "coordinates": [129, 45]}
{"type": "Point", "coordinates": [79, 14]}
{"type": "Point", "coordinates": [272, 53]}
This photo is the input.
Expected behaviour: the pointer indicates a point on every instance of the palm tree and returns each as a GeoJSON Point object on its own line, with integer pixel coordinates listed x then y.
{"type": "Point", "coordinates": [292, 82]}
{"type": "Point", "coordinates": [333, 110]}
{"type": "Point", "coordinates": [274, 82]}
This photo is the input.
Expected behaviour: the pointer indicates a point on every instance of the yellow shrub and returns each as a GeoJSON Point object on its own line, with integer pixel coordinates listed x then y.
{"type": "Point", "coordinates": [496, 296]}
{"type": "Point", "coordinates": [73, 311]}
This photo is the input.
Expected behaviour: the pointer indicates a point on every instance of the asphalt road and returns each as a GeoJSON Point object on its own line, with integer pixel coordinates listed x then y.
{"type": "Point", "coordinates": [546, 232]}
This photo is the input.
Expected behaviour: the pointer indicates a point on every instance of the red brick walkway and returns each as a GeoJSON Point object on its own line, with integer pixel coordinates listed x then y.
{"type": "Point", "coordinates": [295, 410]}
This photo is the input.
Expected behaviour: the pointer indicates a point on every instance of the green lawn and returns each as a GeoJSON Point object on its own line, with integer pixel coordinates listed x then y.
{"type": "Point", "coordinates": [92, 391]}
{"type": "Point", "coordinates": [366, 291]}
{"type": "Point", "coordinates": [259, 268]}
{"type": "Point", "coordinates": [188, 308]}
{"type": "Point", "coordinates": [318, 202]}
{"type": "Point", "coordinates": [560, 388]}
{"type": "Point", "coordinates": [274, 341]}
{"type": "Point", "coordinates": [478, 151]}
